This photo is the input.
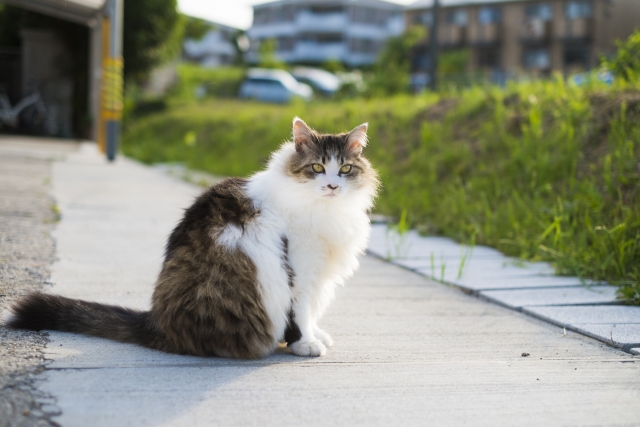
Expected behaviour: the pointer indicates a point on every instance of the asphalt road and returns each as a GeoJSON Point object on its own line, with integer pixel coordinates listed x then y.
{"type": "Point", "coordinates": [27, 216]}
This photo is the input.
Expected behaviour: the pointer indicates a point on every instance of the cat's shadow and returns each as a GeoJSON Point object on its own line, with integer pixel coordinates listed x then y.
{"type": "Point", "coordinates": [87, 372]}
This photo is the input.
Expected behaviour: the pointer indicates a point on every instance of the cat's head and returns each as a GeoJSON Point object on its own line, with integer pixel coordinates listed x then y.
{"type": "Point", "coordinates": [332, 165]}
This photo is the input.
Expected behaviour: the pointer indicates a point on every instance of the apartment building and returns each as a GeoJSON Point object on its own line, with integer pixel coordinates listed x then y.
{"type": "Point", "coordinates": [316, 31]}
{"type": "Point", "coordinates": [504, 37]}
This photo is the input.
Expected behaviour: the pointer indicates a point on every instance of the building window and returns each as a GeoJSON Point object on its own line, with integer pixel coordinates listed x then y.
{"type": "Point", "coordinates": [539, 11]}
{"type": "Point", "coordinates": [326, 10]}
{"type": "Point", "coordinates": [576, 58]}
{"type": "Point", "coordinates": [537, 59]}
{"type": "Point", "coordinates": [369, 15]}
{"type": "Point", "coordinates": [363, 46]}
{"type": "Point", "coordinates": [285, 44]}
{"type": "Point", "coordinates": [363, 14]}
{"type": "Point", "coordinates": [329, 38]}
{"type": "Point", "coordinates": [421, 62]}
{"type": "Point", "coordinates": [289, 12]}
{"type": "Point", "coordinates": [259, 16]}
{"type": "Point", "coordinates": [457, 17]}
{"type": "Point", "coordinates": [578, 9]}
{"type": "Point", "coordinates": [489, 58]}
{"type": "Point", "coordinates": [423, 18]}
{"type": "Point", "coordinates": [489, 15]}
{"type": "Point", "coordinates": [322, 38]}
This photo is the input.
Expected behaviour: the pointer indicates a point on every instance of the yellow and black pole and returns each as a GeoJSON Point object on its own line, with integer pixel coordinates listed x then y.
{"type": "Point", "coordinates": [112, 79]}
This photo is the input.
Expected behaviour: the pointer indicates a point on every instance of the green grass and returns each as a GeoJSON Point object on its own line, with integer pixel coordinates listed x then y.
{"type": "Point", "coordinates": [540, 170]}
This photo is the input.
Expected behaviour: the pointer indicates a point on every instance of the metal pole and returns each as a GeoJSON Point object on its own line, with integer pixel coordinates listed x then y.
{"type": "Point", "coordinates": [112, 78]}
{"type": "Point", "coordinates": [435, 12]}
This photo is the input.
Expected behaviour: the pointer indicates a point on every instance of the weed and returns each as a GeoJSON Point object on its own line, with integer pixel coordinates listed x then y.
{"type": "Point", "coordinates": [397, 237]}
{"type": "Point", "coordinates": [57, 213]}
{"type": "Point", "coordinates": [465, 254]}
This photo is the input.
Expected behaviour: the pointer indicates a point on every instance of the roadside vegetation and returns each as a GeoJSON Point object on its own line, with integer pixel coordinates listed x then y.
{"type": "Point", "coordinates": [543, 170]}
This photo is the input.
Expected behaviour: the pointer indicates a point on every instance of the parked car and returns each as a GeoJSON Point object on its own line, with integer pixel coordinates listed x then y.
{"type": "Point", "coordinates": [273, 86]}
{"type": "Point", "coordinates": [322, 81]}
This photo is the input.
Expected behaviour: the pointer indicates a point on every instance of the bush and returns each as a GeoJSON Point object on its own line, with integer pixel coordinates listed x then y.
{"type": "Point", "coordinates": [626, 63]}
{"type": "Point", "coordinates": [196, 82]}
{"type": "Point", "coordinates": [391, 72]}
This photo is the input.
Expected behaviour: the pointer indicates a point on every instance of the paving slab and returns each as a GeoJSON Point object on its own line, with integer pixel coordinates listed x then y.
{"type": "Point", "coordinates": [521, 282]}
{"type": "Point", "coordinates": [386, 243]}
{"type": "Point", "coordinates": [624, 336]}
{"type": "Point", "coordinates": [475, 268]}
{"type": "Point", "coordinates": [587, 314]}
{"type": "Point", "coordinates": [408, 351]}
{"type": "Point", "coordinates": [472, 268]}
{"type": "Point", "coordinates": [517, 298]}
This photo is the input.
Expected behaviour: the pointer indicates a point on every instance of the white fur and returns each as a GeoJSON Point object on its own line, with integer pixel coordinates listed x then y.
{"type": "Point", "coordinates": [326, 235]}
{"type": "Point", "coordinates": [262, 242]}
{"type": "Point", "coordinates": [8, 316]}
{"type": "Point", "coordinates": [230, 236]}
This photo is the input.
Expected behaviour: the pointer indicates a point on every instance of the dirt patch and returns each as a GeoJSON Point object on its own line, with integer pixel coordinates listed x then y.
{"type": "Point", "coordinates": [605, 109]}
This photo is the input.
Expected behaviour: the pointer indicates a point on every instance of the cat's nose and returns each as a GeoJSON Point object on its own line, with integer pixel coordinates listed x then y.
{"type": "Point", "coordinates": [332, 187]}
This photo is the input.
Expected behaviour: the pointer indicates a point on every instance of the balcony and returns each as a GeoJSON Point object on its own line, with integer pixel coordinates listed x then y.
{"type": "Point", "coordinates": [452, 35]}
{"type": "Point", "coordinates": [536, 32]}
{"type": "Point", "coordinates": [576, 30]}
{"type": "Point", "coordinates": [321, 22]}
{"type": "Point", "coordinates": [487, 35]}
{"type": "Point", "coordinates": [319, 52]}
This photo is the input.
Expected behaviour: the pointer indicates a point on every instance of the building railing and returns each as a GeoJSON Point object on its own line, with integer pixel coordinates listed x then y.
{"type": "Point", "coordinates": [312, 51]}
{"type": "Point", "coordinates": [487, 34]}
{"type": "Point", "coordinates": [576, 29]}
{"type": "Point", "coordinates": [321, 22]}
{"type": "Point", "coordinates": [452, 35]}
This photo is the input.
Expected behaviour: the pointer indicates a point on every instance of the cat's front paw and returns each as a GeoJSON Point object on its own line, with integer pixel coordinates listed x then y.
{"type": "Point", "coordinates": [324, 337]}
{"type": "Point", "coordinates": [308, 348]}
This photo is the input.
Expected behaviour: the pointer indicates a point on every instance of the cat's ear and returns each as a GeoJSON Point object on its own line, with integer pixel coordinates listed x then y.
{"type": "Point", "coordinates": [302, 134]}
{"type": "Point", "coordinates": [357, 138]}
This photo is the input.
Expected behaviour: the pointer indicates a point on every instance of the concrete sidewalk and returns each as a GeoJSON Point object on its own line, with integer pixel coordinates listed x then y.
{"type": "Point", "coordinates": [408, 351]}
{"type": "Point", "coordinates": [586, 307]}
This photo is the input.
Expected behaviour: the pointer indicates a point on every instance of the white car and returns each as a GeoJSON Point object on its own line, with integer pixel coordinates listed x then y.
{"type": "Point", "coordinates": [323, 81]}
{"type": "Point", "coordinates": [273, 86]}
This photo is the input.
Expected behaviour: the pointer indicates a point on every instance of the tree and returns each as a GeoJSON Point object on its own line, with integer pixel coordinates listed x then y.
{"type": "Point", "coordinates": [196, 28]}
{"type": "Point", "coordinates": [393, 66]}
{"type": "Point", "coordinates": [267, 54]}
{"type": "Point", "coordinates": [241, 45]}
{"type": "Point", "coordinates": [333, 65]}
{"type": "Point", "coordinates": [153, 32]}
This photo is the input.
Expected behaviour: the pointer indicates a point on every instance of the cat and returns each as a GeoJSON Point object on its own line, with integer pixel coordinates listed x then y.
{"type": "Point", "coordinates": [253, 263]}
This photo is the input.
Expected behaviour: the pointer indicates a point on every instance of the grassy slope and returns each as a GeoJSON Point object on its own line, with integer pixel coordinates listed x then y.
{"type": "Point", "coordinates": [540, 170]}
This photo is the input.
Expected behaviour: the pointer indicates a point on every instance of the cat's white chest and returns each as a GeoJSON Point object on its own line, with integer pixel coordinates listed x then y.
{"type": "Point", "coordinates": [325, 247]}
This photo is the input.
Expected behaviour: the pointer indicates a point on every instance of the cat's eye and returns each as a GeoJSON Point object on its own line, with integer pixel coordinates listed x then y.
{"type": "Point", "coordinates": [345, 169]}
{"type": "Point", "coordinates": [317, 168]}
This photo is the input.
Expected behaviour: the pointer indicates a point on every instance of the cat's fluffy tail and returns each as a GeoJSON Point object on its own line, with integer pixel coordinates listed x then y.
{"type": "Point", "coordinates": [38, 311]}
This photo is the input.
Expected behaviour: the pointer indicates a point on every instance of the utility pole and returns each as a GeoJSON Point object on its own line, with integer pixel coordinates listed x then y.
{"type": "Point", "coordinates": [435, 12]}
{"type": "Point", "coordinates": [112, 83]}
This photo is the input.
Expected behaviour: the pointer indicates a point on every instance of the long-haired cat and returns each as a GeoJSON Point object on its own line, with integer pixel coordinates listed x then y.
{"type": "Point", "coordinates": [252, 263]}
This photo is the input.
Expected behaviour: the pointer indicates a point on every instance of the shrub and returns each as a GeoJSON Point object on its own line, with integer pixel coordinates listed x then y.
{"type": "Point", "coordinates": [626, 63]}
